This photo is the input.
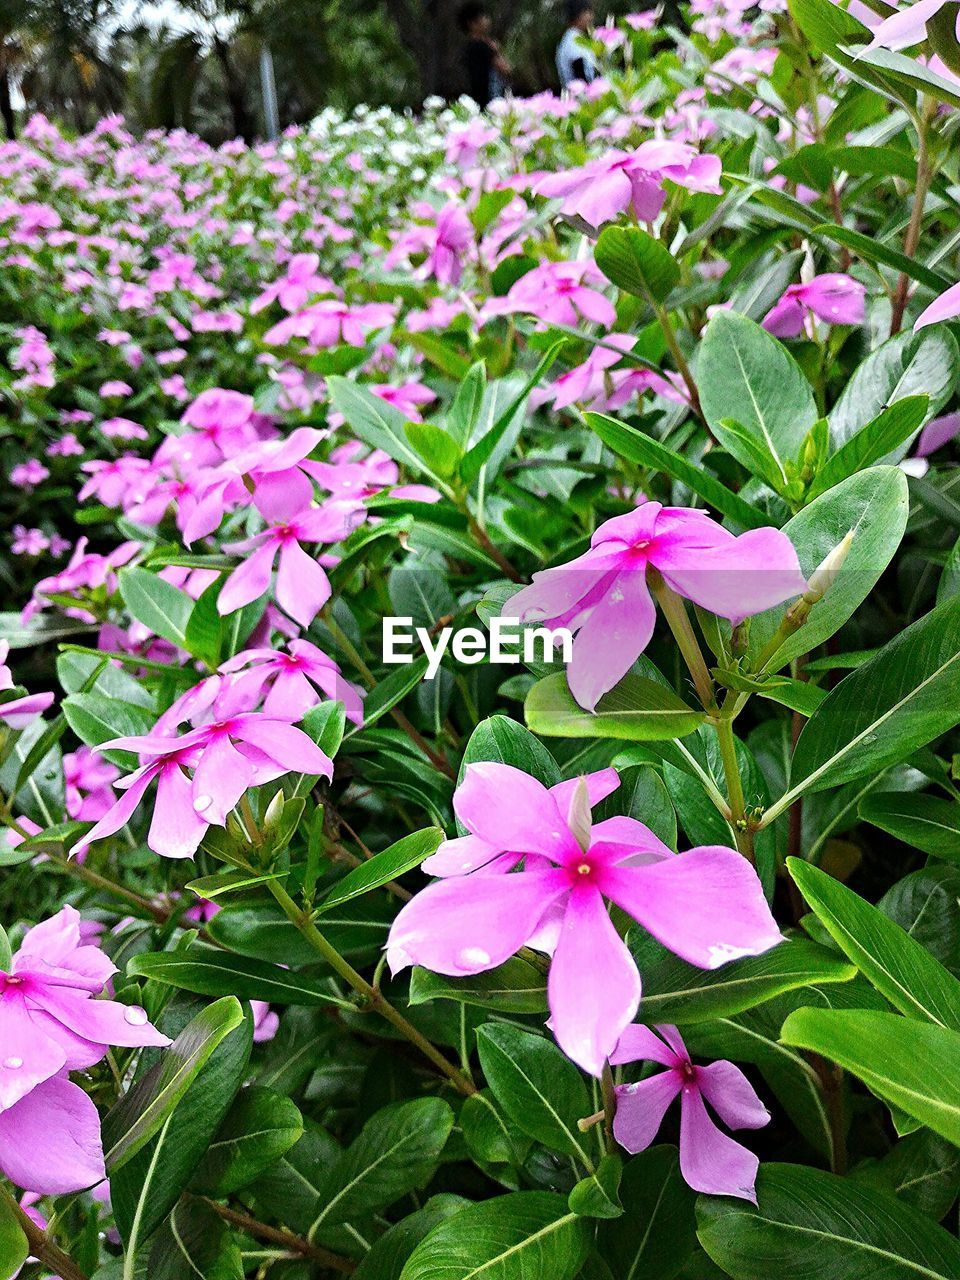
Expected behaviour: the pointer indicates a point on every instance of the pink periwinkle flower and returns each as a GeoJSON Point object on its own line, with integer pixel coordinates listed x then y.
{"type": "Point", "coordinates": [907, 26]}
{"type": "Point", "coordinates": [558, 293]}
{"type": "Point", "coordinates": [294, 289]}
{"type": "Point", "coordinates": [17, 713]}
{"type": "Point", "coordinates": [266, 1023]}
{"type": "Point", "coordinates": [295, 680]}
{"type": "Point", "coordinates": [27, 475]}
{"type": "Point", "coordinates": [706, 905]}
{"type": "Point", "coordinates": [603, 188]}
{"type": "Point", "coordinates": [833, 298]}
{"type": "Point", "coordinates": [946, 307]}
{"type": "Point", "coordinates": [710, 1161]}
{"type": "Point", "coordinates": [88, 780]}
{"type": "Point", "coordinates": [50, 1023]}
{"type": "Point", "coordinates": [603, 595]}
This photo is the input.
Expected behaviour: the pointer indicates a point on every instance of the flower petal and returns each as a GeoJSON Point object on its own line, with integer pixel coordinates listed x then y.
{"type": "Point", "coordinates": [511, 811]}
{"type": "Point", "coordinates": [50, 1141]}
{"type": "Point", "coordinates": [710, 1161]}
{"type": "Point", "coordinates": [642, 1044]}
{"type": "Point", "coordinates": [302, 586]}
{"type": "Point", "coordinates": [732, 1096]}
{"type": "Point", "coordinates": [641, 1108]}
{"type": "Point", "coordinates": [706, 905]}
{"type": "Point", "coordinates": [614, 635]}
{"type": "Point", "coordinates": [594, 986]}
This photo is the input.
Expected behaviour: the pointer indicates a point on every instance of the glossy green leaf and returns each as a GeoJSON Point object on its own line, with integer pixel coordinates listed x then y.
{"type": "Point", "coordinates": [209, 972]}
{"type": "Point", "coordinates": [637, 262]}
{"type": "Point", "coordinates": [402, 856]}
{"type": "Point", "coordinates": [923, 821]}
{"type": "Point", "coordinates": [656, 1235]}
{"type": "Point", "coordinates": [638, 709]}
{"type": "Point", "coordinates": [256, 1131]}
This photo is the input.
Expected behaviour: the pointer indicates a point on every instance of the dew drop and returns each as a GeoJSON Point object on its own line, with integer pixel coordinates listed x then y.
{"type": "Point", "coordinates": [13, 1064]}
{"type": "Point", "coordinates": [136, 1016]}
{"type": "Point", "coordinates": [202, 802]}
{"type": "Point", "coordinates": [474, 955]}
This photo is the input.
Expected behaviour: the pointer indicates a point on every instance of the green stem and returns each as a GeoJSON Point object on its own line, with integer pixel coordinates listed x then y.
{"type": "Point", "coordinates": [675, 612]}
{"type": "Point", "coordinates": [280, 1236]}
{"type": "Point", "coordinates": [679, 359]}
{"type": "Point", "coordinates": [609, 1106]}
{"type": "Point", "coordinates": [373, 997]}
{"type": "Point", "coordinates": [738, 805]}
{"type": "Point", "coordinates": [41, 1246]}
{"type": "Point", "coordinates": [911, 237]}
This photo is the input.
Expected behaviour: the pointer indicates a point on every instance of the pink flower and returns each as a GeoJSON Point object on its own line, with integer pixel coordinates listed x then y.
{"type": "Point", "coordinates": [302, 586]}
{"type": "Point", "coordinates": [49, 1020]}
{"type": "Point", "coordinates": [706, 905]}
{"type": "Point", "coordinates": [88, 782]}
{"type": "Point", "coordinates": [116, 389]}
{"type": "Point", "coordinates": [237, 750]}
{"type": "Point", "coordinates": [294, 289]}
{"type": "Point", "coordinates": [601, 189]}
{"type": "Point", "coordinates": [946, 307]}
{"type": "Point", "coordinates": [906, 27]}
{"type": "Point", "coordinates": [604, 597]}
{"type": "Point", "coordinates": [834, 298]}
{"type": "Point", "coordinates": [294, 678]}
{"type": "Point", "coordinates": [50, 1139]}
{"type": "Point", "coordinates": [709, 1161]}
{"type": "Point", "coordinates": [19, 712]}
{"type": "Point", "coordinates": [27, 475]}
{"type": "Point", "coordinates": [558, 293]}
{"type": "Point", "coordinates": [266, 1023]}
{"type": "Point", "coordinates": [453, 237]}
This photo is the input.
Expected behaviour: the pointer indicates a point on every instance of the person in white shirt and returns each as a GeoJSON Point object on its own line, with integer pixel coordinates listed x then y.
{"type": "Point", "coordinates": [575, 62]}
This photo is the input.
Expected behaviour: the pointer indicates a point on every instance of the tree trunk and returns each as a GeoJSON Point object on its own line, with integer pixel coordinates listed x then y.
{"type": "Point", "coordinates": [428, 30]}
{"type": "Point", "coordinates": [240, 116]}
{"type": "Point", "coordinates": [6, 105]}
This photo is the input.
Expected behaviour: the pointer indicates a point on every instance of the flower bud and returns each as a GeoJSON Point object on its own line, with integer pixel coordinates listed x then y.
{"type": "Point", "coordinates": [823, 578]}
{"type": "Point", "coordinates": [579, 820]}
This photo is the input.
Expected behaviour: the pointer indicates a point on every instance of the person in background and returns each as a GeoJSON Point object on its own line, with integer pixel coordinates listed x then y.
{"type": "Point", "coordinates": [487, 68]}
{"type": "Point", "coordinates": [574, 59]}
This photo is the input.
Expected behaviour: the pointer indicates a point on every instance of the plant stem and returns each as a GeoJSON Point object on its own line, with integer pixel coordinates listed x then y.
{"type": "Point", "coordinates": [41, 1246]}
{"type": "Point", "coordinates": [679, 359]}
{"type": "Point", "coordinates": [285, 1239]}
{"type": "Point", "coordinates": [675, 613]}
{"type": "Point", "coordinates": [482, 538]}
{"type": "Point", "coordinates": [609, 1106]}
{"type": "Point", "coordinates": [912, 235]}
{"type": "Point", "coordinates": [373, 997]}
{"type": "Point", "coordinates": [738, 805]}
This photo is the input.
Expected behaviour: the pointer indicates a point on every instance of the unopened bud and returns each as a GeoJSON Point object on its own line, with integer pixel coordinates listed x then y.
{"type": "Point", "coordinates": [823, 578]}
{"type": "Point", "coordinates": [740, 639]}
{"type": "Point", "coordinates": [271, 819]}
{"type": "Point", "coordinates": [578, 819]}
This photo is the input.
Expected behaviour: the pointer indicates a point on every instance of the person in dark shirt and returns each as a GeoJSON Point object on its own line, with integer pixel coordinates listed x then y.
{"type": "Point", "coordinates": [487, 69]}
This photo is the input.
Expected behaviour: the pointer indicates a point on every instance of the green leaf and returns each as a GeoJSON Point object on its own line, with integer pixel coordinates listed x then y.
{"type": "Point", "coordinates": [529, 1235]}
{"type": "Point", "coordinates": [383, 867]}
{"type": "Point", "coordinates": [647, 452]}
{"type": "Point", "coordinates": [677, 992]}
{"type": "Point", "coordinates": [914, 1066]}
{"type": "Point", "coordinates": [147, 1187]}
{"type": "Point", "coordinates": [598, 1195]}
{"type": "Point", "coordinates": [194, 1243]}
{"type": "Point", "coordinates": [504, 741]}
{"type": "Point", "coordinates": [540, 1090]}
{"type": "Point", "coordinates": [397, 1152]}
{"type": "Point", "coordinates": [376, 422]}
{"type": "Point", "coordinates": [95, 718]}
{"type": "Point", "coordinates": [874, 504]}
{"type": "Point", "coordinates": [148, 1103]}
{"type": "Point", "coordinates": [922, 1169]}
{"type": "Point", "coordinates": [209, 972]}
{"type": "Point", "coordinates": [905, 696]}
{"type": "Point", "coordinates": [874, 250]}
{"type": "Point", "coordinates": [159, 605]}
{"type": "Point", "coordinates": [389, 691]}
{"type": "Point", "coordinates": [908, 365]}
{"type": "Point", "coordinates": [464, 413]}
{"type": "Point", "coordinates": [811, 1223]}
{"type": "Point", "coordinates": [922, 821]}
{"type": "Point", "coordinates": [389, 1252]}
{"type": "Point", "coordinates": [899, 967]}
{"type": "Point", "coordinates": [637, 262]}
{"type": "Point", "coordinates": [746, 375]}
{"type": "Point", "coordinates": [13, 1243]}
{"type": "Point", "coordinates": [517, 986]}
{"type": "Point", "coordinates": [439, 451]}
{"type": "Point", "coordinates": [257, 1130]}
{"type": "Point", "coordinates": [638, 709]}
{"type": "Point", "coordinates": [482, 450]}
{"type": "Point", "coordinates": [6, 951]}
{"type": "Point", "coordinates": [223, 882]}
{"type": "Point", "coordinates": [657, 1233]}
{"type": "Point", "coordinates": [872, 443]}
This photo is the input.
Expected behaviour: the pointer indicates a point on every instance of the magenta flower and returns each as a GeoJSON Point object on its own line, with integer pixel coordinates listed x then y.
{"type": "Point", "coordinates": [604, 597]}
{"type": "Point", "coordinates": [453, 236]}
{"type": "Point", "coordinates": [706, 905]}
{"type": "Point", "coordinates": [237, 750]}
{"type": "Point", "coordinates": [302, 586]}
{"type": "Point", "coordinates": [49, 1020]}
{"type": "Point", "coordinates": [294, 289]}
{"type": "Point", "coordinates": [946, 307]}
{"type": "Point", "coordinates": [294, 678]}
{"type": "Point", "coordinates": [558, 293]}
{"type": "Point", "coordinates": [601, 189]}
{"type": "Point", "coordinates": [19, 712]}
{"type": "Point", "coordinates": [88, 782]}
{"type": "Point", "coordinates": [834, 298]}
{"type": "Point", "coordinates": [906, 27]}
{"type": "Point", "coordinates": [50, 1139]}
{"type": "Point", "coordinates": [709, 1161]}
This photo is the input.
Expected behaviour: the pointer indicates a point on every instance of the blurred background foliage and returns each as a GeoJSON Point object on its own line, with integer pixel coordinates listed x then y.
{"type": "Point", "coordinates": [195, 63]}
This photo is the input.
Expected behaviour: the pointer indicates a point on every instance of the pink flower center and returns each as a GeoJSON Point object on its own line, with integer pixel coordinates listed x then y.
{"type": "Point", "coordinates": [688, 1073]}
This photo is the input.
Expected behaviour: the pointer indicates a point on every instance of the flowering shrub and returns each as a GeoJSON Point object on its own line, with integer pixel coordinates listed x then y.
{"type": "Point", "coordinates": [328, 957]}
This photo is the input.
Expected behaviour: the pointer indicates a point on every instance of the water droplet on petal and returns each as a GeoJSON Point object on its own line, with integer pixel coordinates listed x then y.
{"type": "Point", "coordinates": [474, 955]}
{"type": "Point", "coordinates": [202, 802]}
{"type": "Point", "coordinates": [13, 1064]}
{"type": "Point", "coordinates": [136, 1016]}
